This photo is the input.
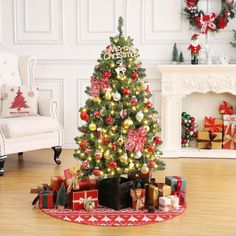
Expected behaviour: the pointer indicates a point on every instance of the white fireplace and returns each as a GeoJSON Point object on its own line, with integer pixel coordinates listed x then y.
{"type": "Point", "coordinates": [180, 81]}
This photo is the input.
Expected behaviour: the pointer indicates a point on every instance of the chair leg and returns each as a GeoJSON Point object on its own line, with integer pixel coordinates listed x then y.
{"type": "Point", "coordinates": [57, 151]}
{"type": "Point", "coordinates": [2, 160]}
{"type": "Point", "coordinates": [20, 154]}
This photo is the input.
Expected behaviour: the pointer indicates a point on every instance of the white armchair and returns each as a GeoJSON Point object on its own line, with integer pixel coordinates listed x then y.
{"type": "Point", "coordinates": [21, 134]}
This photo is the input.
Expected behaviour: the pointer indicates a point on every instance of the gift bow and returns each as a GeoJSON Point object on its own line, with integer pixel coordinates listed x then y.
{"type": "Point", "coordinates": [230, 138]}
{"type": "Point", "coordinates": [137, 195]}
{"type": "Point", "coordinates": [212, 125]}
{"type": "Point", "coordinates": [97, 84]}
{"type": "Point", "coordinates": [206, 22]}
{"type": "Point", "coordinates": [226, 109]}
{"type": "Point", "coordinates": [208, 143]}
{"type": "Point", "coordinates": [179, 193]}
{"type": "Point", "coordinates": [229, 121]}
{"type": "Point", "coordinates": [136, 140]}
{"type": "Point", "coordinates": [85, 200]}
{"type": "Point", "coordinates": [73, 181]}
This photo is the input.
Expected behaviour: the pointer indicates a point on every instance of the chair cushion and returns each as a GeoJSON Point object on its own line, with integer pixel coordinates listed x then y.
{"type": "Point", "coordinates": [19, 101]}
{"type": "Point", "coordinates": [26, 126]}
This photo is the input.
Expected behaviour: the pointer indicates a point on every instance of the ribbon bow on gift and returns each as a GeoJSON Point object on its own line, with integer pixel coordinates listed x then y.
{"type": "Point", "coordinates": [229, 121]}
{"type": "Point", "coordinates": [226, 109]}
{"type": "Point", "coordinates": [138, 196]}
{"type": "Point", "coordinates": [230, 138]}
{"type": "Point", "coordinates": [208, 143]}
{"type": "Point", "coordinates": [136, 140]}
{"type": "Point", "coordinates": [97, 84]}
{"type": "Point", "coordinates": [210, 123]}
{"type": "Point", "coordinates": [73, 181]}
{"type": "Point", "coordinates": [179, 193]}
{"type": "Point", "coordinates": [206, 22]}
{"type": "Point", "coordinates": [86, 200]}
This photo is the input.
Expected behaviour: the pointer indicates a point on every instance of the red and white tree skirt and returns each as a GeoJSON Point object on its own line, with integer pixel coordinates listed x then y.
{"type": "Point", "coordinates": [107, 217]}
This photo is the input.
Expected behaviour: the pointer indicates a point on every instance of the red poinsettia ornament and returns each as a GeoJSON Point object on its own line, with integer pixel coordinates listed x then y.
{"type": "Point", "coordinates": [109, 120]}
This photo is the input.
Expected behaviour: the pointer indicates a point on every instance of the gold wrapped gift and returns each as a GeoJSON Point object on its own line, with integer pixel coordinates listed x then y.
{"type": "Point", "coordinates": [158, 190]}
{"type": "Point", "coordinates": [209, 140]}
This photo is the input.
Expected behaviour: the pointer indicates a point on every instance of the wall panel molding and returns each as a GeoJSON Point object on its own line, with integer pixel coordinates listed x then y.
{"type": "Point", "coordinates": [1, 24]}
{"type": "Point", "coordinates": [23, 34]}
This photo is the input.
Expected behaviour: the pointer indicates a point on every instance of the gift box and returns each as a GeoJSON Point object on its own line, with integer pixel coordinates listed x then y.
{"type": "Point", "coordinates": [81, 199]}
{"type": "Point", "coordinates": [209, 140]}
{"type": "Point", "coordinates": [229, 121]}
{"type": "Point", "coordinates": [46, 199]}
{"type": "Point", "coordinates": [213, 124]}
{"type": "Point", "coordinates": [225, 109]}
{"type": "Point", "coordinates": [178, 187]}
{"type": "Point", "coordinates": [73, 183]}
{"type": "Point", "coordinates": [115, 193]}
{"type": "Point", "coordinates": [138, 198]}
{"type": "Point", "coordinates": [56, 182]}
{"type": "Point", "coordinates": [174, 202]}
{"type": "Point", "coordinates": [229, 141]}
{"type": "Point", "coordinates": [157, 190]}
{"type": "Point", "coordinates": [164, 204]}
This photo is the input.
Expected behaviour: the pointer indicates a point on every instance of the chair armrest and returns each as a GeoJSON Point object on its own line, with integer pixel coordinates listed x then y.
{"type": "Point", "coordinates": [26, 67]}
{"type": "Point", "coordinates": [48, 107]}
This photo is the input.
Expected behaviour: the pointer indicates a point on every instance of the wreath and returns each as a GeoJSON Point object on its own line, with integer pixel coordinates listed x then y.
{"type": "Point", "coordinates": [198, 19]}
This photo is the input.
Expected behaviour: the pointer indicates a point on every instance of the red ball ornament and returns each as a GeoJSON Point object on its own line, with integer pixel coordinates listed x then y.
{"type": "Point", "coordinates": [113, 147]}
{"type": "Point", "coordinates": [134, 75]}
{"type": "Point", "coordinates": [157, 140]}
{"type": "Point", "coordinates": [84, 115]}
{"type": "Point", "coordinates": [109, 120]}
{"type": "Point", "coordinates": [150, 148]}
{"type": "Point", "coordinates": [126, 91]}
{"type": "Point", "coordinates": [148, 104]}
{"type": "Point", "coordinates": [133, 100]}
{"type": "Point", "coordinates": [184, 141]}
{"type": "Point", "coordinates": [191, 128]}
{"type": "Point", "coordinates": [96, 171]}
{"type": "Point", "coordinates": [97, 114]}
{"type": "Point", "coordinates": [106, 140]}
{"type": "Point", "coordinates": [152, 164]}
{"type": "Point", "coordinates": [83, 144]}
{"type": "Point", "coordinates": [192, 119]}
{"type": "Point", "coordinates": [112, 164]}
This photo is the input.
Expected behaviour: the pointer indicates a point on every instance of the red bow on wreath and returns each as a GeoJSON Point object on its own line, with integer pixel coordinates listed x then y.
{"type": "Point", "coordinates": [136, 140]}
{"type": "Point", "coordinates": [206, 22]}
{"type": "Point", "coordinates": [97, 84]}
{"type": "Point", "coordinates": [190, 3]}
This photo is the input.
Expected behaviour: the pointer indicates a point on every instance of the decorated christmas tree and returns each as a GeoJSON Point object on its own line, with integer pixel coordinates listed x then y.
{"type": "Point", "coordinates": [119, 135]}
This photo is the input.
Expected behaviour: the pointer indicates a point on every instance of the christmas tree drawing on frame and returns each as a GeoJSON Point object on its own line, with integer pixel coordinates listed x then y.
{"type": "Point", "coordinates": [119, 135]}
{"type": "Point", "coordinates": [19, 101]}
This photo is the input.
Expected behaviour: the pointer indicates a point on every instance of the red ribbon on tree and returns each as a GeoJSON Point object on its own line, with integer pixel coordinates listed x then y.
{"type": "Point", "coordinates": [179, 193]}
{"type": "Point", "coordinates": [136, 140]}
{"type": "Point", "coordinates": [206, 22]}
{"type": "Point", "coordinates": [97, 84]}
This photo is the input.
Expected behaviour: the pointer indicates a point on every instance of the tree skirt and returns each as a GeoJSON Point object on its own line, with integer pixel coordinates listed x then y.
{"type": "Point", "coordinates": [107, 217]}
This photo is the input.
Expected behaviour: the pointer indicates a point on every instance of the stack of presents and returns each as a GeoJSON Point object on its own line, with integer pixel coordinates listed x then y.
{"type": "Point", "coordinates": [219, 133]}
{"type": "Point", "coordinates": [71, 192]}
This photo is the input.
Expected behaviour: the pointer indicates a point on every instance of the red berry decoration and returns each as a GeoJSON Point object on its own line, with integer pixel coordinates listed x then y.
{"type": "Point", "coordinates": [126, 91]}
{"type": "Point", "coordinates": [157, 140]}
{"type": "Point", "coordinates": [112, 164]}
{"type": "Point", "coordinates": [109, 120]}
{"type": "Point", "coordinates": [83, 144]}
{"type": "Point", "coordinates": [96, 171]}
{"type": "Point", "coordinates": [148, 104]}
{"type": "Point", "coordinates": [107, 74]}
{"type": "Point", "coordinates": [150, 148]}
{"type": "Point", "coordinates": [84, 115]}
{"type": "Point", "coordinates": [134, 75]}
{"type": "Point", "coordinates": [152, 164]}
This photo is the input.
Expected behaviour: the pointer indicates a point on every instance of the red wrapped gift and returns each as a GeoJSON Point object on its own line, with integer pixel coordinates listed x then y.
{"type": "Point", "coordinates": [83, 198]}
{"type": "Point", "coordinates": [225, 109]}
{"type": "Point", "coordinates": [229, 141]}
{"type": "Point", "coordinates": [229, 121]}
{"type": "Point", "coordinates": [46, 199]}
{"type": "Point", "coordinates": [213, 124]}
{"type": "Point", "coordinates": [73, 183]}
{"type": "Point", "coordinates": [56, 182]}
{"type": "Point", "coordinates": [138, 198]}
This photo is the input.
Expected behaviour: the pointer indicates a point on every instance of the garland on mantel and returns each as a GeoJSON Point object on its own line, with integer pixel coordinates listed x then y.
{"type": "Point", "coordinates": [198, 19]}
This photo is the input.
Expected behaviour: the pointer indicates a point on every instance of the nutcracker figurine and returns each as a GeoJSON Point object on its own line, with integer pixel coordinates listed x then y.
{"type": "Point", "coordinates": [195, 48]}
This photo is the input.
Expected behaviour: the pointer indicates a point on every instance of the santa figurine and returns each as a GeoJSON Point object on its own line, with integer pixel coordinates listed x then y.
{"type": "Point", "coordinates": [195, 48]}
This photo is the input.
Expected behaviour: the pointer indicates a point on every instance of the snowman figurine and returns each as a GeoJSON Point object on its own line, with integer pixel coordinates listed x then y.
{"type": "Point", "coordinates": [195, 48]}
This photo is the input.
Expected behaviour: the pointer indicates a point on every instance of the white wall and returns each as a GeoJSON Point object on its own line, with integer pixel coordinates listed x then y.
{"type": "Point", "coordinates": [67, 37]}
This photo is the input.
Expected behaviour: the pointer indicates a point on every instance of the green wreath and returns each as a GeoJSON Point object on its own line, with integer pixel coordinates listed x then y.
{"type": "Point", "coordinates": [198, 19]}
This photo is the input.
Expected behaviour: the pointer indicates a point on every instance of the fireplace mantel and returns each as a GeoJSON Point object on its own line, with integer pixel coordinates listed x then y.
{"type": "Point", "coordinates": [179, 81]}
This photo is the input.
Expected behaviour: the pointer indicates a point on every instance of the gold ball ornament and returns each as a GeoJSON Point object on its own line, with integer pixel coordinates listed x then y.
{"type": "Point", "coordinates": [120, 141]}
{"type": "Point", "coordinates": [144, 169]}
{"type": "Point", "coordinates": [127, 123]}
{"type": "Point", "coordinates": [107, 155]}
{"type": "Point", "coordinates": [123, 158]}
{"type": "Point", "coordinates": [120, 151]}
{"type": "Point", "coordinates": [108, 94]}
{"type": "Point", "coordinates": [92, 127]}
{"type": "Point", "coordinates": [96, 99]}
